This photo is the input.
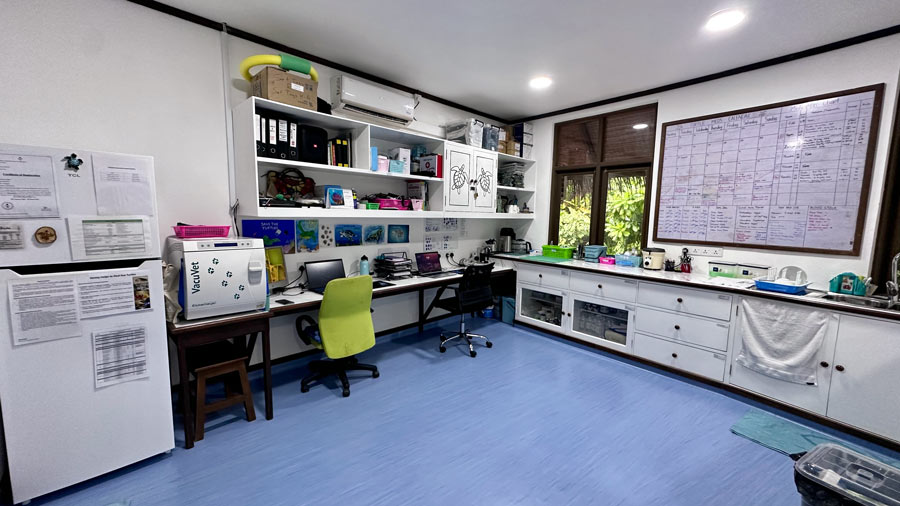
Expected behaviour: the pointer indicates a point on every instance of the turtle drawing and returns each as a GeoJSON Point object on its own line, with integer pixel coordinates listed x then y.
{"type": "Point", "coordinates": [376, 235]}
{"type": "Point", "coordinates": [484, 180]}
{"type": "Point", "coordinates": [458, 178]}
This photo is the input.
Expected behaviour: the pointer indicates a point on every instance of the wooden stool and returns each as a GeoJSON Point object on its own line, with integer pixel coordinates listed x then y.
{"type": "Point", "coordinates": [211, 371]}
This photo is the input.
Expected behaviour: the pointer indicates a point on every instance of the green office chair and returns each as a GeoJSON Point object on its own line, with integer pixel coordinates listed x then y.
{"type": "Point", "coordinates": [345, 329]}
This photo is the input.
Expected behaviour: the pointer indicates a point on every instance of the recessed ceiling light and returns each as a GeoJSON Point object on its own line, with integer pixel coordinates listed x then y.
{"type": "Point", "coordinates": [724, 20]}
{"type": "Point", "coordinates": [640, 126]}
{"type": "Point", "coordinates": [540, 82]}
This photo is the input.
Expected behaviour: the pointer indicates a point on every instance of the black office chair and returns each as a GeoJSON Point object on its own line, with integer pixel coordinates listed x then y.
{"type": "Point", "coordinates": [472, 294]}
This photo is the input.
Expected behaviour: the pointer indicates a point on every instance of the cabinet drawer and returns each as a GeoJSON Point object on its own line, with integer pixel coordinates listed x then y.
{"type": "Point", "coordinates": [702, 363]}
{"type": "Point", "coordinates": [681, 327]}
{"type": "Point", "coordinates": [607, 287]}
{"type": "Point", "coordinates": [557, 278]}
{"type": "Point", "coordinates": [686, 300]}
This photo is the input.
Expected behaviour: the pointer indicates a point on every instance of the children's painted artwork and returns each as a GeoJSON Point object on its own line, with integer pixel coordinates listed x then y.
{"type": "Point", "coordinates": [307, 235]}
{"type": "Point", "coordinates": [272, 232]}
{"type": "Point", "coordinates": [326, 236]}
{"type": "Point", "coordinates": [398, 233]}
{"type": "Point", "coordinates": [348, 235]}
{"type": "Point", "coordinates": [373, 234]}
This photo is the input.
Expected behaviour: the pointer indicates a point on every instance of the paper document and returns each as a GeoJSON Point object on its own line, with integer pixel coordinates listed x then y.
{"type": "Point", "coordinates": [120, 355]}
{"type": "Point", "coordinates": [123, 184]}
{"type": "Point", "coordinates": [95, 237]}
{"type": "Point", "coordinates": [109, 293]}
{"type": "Point", "coordinates": [11, 236]}
{"type": "Point", "coordinates": [43, 310]}
{"type": "Point", "coordinates": [27, 188]}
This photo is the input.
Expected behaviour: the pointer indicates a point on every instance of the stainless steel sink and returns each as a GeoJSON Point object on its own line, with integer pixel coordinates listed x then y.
{"type": "Point", "coordinates": [873, 302]}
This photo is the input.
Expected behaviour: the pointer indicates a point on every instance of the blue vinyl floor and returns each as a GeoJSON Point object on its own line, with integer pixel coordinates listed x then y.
{"type": "Point", "coordinates": [533, 420]}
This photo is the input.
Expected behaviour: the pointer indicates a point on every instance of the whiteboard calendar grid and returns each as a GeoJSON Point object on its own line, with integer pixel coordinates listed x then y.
{"type": "Point", "coordinates": [787, 176]}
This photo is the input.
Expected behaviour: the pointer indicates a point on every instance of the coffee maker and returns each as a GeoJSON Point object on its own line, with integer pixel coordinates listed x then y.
{"type": "Point", "coordinates": [504, 243]}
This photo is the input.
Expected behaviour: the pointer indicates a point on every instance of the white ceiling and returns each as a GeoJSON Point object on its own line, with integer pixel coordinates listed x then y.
{"type": "Point", "coordinates": [481, 53]}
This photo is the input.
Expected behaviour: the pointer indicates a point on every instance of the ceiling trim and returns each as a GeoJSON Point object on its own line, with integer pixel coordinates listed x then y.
{"type": "Point", "coordinates": [250, 37]}
{"type": "Point", "coordinates": [859, 39]}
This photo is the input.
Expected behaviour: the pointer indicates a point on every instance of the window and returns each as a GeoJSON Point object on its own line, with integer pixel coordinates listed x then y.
{"type": "Point", "coordinates": [601, 180]}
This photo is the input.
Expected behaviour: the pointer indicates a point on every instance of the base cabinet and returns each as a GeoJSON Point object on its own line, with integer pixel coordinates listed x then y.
{"type": "Point", "coordinates": [601, 321]}
{"type": "Point", "coordinates": [541, 306]}
{"type": "Point", "coordinates": [680, 356]}
{"type": "Point", "coordinates": [866, 376]}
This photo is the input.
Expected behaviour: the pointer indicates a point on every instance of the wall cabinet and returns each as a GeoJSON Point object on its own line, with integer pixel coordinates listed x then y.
{"type": "Point", "coordinates": [470, 179]}
{"type": "Point", "coordinates": [812, 398]}
{"type": "Point", "coordinates": [601, 321]}
{"type": "Point", "coordinates": [866, 375]}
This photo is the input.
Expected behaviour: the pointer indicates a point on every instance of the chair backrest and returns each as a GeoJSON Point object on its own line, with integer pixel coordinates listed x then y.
{"type": "Point", "coordinates": [345, 318]}
{"type": "Point", "coordinates": [475, 288]}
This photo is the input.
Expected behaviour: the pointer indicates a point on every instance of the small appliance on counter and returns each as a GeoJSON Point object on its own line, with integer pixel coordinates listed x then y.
{"type": "Point", "coordinates": [218, 276]}
{"type": "Point", "coordinates": [654, 258]}
{"type": "Point", "coordinates": [520, 247]}
{"type": "Point", "coordinates": [504, 243]}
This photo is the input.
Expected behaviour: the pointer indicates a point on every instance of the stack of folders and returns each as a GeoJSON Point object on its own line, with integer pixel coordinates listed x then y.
{"type": "Point", "coordinates": [340, 151]}
{"type": "Point", "coordinates": [276, 137]}
{"type": "Point", "coordinates": [593, 252]}
{"type": "Point", "coordinates": [393, 267]}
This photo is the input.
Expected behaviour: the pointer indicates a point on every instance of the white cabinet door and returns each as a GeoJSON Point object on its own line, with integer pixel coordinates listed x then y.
{"type": "Point", "coordinates": [485, 176]}
{"type": "Point", "coordinates": [704, 363]}
{"type": "Point", "coordinates": [543, 307]}
{"type": "Point", "coordinates": [458, 159]}
{"type": "Point", "coordinates": [866, 374]}
{"type": "Point", "coordinates": [809, 397]}
{"type": "Point", "coordinates": [601, 321]}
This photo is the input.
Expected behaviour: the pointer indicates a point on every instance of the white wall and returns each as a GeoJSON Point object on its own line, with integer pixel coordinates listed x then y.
{"type": "Point", "coordinates": [870, 63]}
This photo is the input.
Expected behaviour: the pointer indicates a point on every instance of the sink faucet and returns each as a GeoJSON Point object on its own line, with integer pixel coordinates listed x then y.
{"type": "Point", "coordinates": [893, 288]}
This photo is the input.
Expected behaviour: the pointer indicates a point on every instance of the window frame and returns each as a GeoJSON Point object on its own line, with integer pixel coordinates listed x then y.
{"type": "Point", "coordinates": [601, 170]}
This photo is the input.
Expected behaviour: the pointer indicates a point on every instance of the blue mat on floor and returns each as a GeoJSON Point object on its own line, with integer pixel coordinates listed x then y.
{"type": "Point", "coordinates": [787, 437]}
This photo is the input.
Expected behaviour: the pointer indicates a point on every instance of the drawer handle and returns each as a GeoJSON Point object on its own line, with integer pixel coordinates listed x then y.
{"type": "Point", "coordinates": [839, 367]}
{"type": "Point", "coordinates": [569, 315]}
{"type": "Point", "coordinates": [540, 275]}
{"type": "Point", "coordinates": [600, 286]}
{"type": "Point", "coordinates": [680, 300]}
{"type": "Point", "coordinates": [823, 363]}
{"type": "Point", "coordinates": [674, 355]}
{"type": "Point", "coordinates": [677, 327]}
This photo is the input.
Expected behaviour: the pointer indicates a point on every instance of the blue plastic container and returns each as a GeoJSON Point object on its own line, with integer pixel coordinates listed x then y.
{"type": "Point", "coordinates": [772, 286]}
{"type": "Point", "coordinates": [508, 309]}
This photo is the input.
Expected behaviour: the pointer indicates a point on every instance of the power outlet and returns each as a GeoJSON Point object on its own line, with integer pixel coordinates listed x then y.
{"type": "Point", "coordinates": [705, 251]}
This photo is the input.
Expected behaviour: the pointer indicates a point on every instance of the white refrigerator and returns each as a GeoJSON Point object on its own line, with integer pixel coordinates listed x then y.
{"type": "Point", "coordinates": [84, 375]}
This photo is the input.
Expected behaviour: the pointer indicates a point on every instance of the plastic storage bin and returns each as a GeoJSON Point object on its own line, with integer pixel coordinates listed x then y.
{"type": "Point", "coordinates": [722, 269]}
{"type": "Point", "coordinates": [753, 271]}
{"type": "Point", "coordinates": [830, 474]}
{"type": "Point", "coordinates": [629, 260]}
{"type": "Point", "coordinates": [549, 250]}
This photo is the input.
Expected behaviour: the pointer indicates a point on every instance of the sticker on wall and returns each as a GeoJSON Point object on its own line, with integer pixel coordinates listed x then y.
{"type": "Point", "coordinates": [326, 236]}
{"type": "Point", "coordinates": [272, 232]}
{"type": "Point", "coordinates": [347, 235]}
{"type": "Point", "coordinates": [373, 234]}
{"type": "Point", "coordinates": [398, 233]}
{"type": "Point", "coordinates": [307, 235]}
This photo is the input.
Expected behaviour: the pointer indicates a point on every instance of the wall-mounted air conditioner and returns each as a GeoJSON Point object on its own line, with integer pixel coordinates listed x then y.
{"type": "Point", "coordinates": [370, 103]}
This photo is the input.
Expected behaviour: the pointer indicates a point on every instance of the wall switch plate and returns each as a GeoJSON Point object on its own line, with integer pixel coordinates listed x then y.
{"type": "Point", "coordinates": [704, 251]}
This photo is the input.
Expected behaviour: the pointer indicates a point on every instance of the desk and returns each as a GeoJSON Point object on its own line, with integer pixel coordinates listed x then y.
{"type": "Point", "coordinates": [188, 334]}
{"type": "Point", "coordinates": [312, 300]}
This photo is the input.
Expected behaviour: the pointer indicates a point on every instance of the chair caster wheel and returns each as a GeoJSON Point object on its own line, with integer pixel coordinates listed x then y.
{"type": "Point", "coordinates": [489, 344]}
{"type": "Point", "coordinates": [375, 374]}
{"type": "Point", "coordinates": [473, 353]}
{"type": "Point", "coordinates": [346, 393]}
{"type": "Point", "coordinates": [304, 388]}
{"type": "Point", "coordinates": [443, 349]}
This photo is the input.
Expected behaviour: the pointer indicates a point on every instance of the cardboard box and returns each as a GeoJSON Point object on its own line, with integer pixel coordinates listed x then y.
{"type": "Point", "coordinates": [513, 148]}
{"type": "Point", "coordinates": [501, 145]}
{"type": "Point", "coordinates": [273, 83]}
{"type": "Point", "coordinates": [525, 151]}
{"type": "Point", "coordinates": [431, 163]}
{"type": "Point", "coordinates": [403, 155]}
{"type": "Point", "coordinates": [396, 166]}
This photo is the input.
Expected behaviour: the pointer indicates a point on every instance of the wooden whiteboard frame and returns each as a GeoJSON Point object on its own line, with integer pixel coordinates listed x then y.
{"type": "Point", "coordinates": [864, 191]}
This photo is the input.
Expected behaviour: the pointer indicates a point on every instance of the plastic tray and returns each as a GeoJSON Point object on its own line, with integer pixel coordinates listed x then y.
{"type": "Point", "coordinates": [629, 260]}
{"type": "Point", "coordinates": [200, 231]}
{"type": "Point", "coordinates": [548, 250]}
{"type": "Point", "coordinates": [771, 286]}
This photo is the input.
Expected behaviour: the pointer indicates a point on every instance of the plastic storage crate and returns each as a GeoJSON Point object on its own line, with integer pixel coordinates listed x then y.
{"type": "Point", "coordinates": [549, 250]}
{"type": "Point", "coordinates": [629, 260]}
{"type": "Point", "coordinates": [201, 231]}
{"type": "Point", "coordinates": [830, 474]}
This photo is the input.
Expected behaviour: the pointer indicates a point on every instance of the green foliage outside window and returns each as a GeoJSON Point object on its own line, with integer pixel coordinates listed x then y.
{"type": "Point", "coordinates": [624, 214]}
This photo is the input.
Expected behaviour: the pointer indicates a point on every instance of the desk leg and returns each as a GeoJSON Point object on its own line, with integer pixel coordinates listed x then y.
{"type": "Point", "coordinates": [184, 380]}
{"type": "Point", "coordinates": [421, 310]}
{"type": "Point", "coordinates": [267, 369]}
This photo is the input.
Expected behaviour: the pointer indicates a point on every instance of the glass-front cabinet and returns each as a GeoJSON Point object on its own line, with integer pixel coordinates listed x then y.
{"type": "Point", "coordinates": [602, 321]}
{"type": "Point", "coordinates": [544, 307]}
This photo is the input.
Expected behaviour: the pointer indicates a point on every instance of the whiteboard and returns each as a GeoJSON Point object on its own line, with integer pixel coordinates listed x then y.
{"type": "Point", "coordinates": [787, 176]}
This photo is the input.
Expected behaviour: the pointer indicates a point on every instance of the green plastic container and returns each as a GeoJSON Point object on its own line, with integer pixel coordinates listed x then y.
{"type": "Point", "coordinates": [372, 205]}
{"type": "Point", "coordinates": [549, 250]}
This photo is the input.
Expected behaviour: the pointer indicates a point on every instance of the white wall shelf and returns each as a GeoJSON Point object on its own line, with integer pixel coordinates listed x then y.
{"type": "Point", "coordinates": [515, 189]}
{"type": "Point", "coordinates": [504, 158]}
{"type": "Point", "coordinates": [319, 212]}
{"type": "Point", "coordinates": [275, 163]}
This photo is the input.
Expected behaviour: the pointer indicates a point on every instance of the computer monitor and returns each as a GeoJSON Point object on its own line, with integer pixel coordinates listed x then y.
{"type": "Point", "coordinates": [427, 262]}
{"type": "Point", "coordinates": [320, 272]}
